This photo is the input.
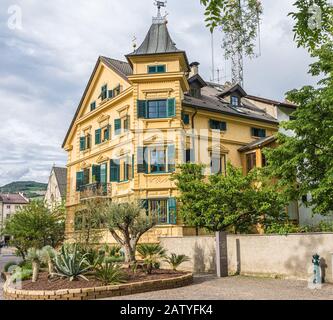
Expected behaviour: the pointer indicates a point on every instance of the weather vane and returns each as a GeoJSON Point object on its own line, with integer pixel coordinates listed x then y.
{"type": "Point", "coordinates": [159, 5]}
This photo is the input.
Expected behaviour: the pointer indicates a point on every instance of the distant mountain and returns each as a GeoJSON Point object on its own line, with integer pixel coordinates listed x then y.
{"type": "Point", "coordinates": [31, 189]}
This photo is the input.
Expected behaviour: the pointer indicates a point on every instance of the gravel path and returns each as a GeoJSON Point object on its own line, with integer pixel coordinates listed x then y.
{"type": "Point", "coordinates": [239, 288]}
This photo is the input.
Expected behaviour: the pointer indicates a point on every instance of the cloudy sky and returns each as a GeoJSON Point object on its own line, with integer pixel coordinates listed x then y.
{"type": "Point", "coordinates": [45, 65]}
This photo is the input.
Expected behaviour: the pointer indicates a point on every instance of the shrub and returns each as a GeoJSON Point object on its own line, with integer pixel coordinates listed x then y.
{"type": "Point", "coordinates": [48, 254]}
{"type": "Point", "coordinates": [114, 259]}
{"type": "Point", "coordinates": [21, 274]}
{"type": "Point", "coordinates": [175, 260]}
{"type": "Point", "coordinates": [110, 273]}
{"type": "Point", "coordinates": [151, 254]}
{"type": "Point", "coordinates": [71, 263]}
{"type": "Point", "coordinates": [284, 228]}
{"type": "Point", "coordinates": [115, 251]}
{"type": "Point", "coordinates": [35, 257]}
{"type": "Point", "coordinates": [8, 265]}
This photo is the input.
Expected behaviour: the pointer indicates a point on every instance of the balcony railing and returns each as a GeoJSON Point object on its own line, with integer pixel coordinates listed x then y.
{"type": "Point", "coordinates": [95, 190]}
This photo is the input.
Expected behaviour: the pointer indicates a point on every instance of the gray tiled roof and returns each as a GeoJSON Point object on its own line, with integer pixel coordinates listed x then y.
{"type": "Point", "coordinates": [157, 40]}
{"type": "Point", "coordinates": [258, 144]}
{"type": "Point", "coordinates": [122, 68]}
{"type": "Point", "coordinates": [12, 199]}
{"type": "Point", "coordinates": [61, 176]}
{"type": "Point", "coordinates": [210, 100]}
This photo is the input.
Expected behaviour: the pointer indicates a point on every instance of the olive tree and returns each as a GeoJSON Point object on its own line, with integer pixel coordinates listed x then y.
{"type": "Point", "coordinates": [127, 222]}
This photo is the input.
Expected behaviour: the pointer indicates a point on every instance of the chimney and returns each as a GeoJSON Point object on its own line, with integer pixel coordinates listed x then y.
{"type": "Point", "coordinates": [194, 69]}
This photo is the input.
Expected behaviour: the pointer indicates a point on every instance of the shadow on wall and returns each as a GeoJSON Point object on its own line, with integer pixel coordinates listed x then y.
{"type": "Point", "coordinates": [203, 262]}
{"type": "Point", "coordinates": [301, 265]}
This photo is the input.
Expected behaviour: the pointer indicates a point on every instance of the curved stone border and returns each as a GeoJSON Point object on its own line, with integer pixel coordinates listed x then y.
{"type": "Point", "coordinates": [99, 292]}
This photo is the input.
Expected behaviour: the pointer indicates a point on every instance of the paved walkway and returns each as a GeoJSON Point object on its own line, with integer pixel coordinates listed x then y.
{"type": "Point", "coordinates": [6, 255]}
{"type": "Point", "coordinates": [238, 288]}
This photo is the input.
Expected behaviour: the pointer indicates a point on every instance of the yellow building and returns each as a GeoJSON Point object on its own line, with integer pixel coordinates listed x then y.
{"type": "Point", "coordinates": [139, 119]}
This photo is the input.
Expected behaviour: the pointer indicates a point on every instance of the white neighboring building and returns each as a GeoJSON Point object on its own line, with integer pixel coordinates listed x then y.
{"type": "Point", "coordinates": [56, 188]}
{"type": "Point", "coordinates": [9, 205]}
{"type": "Point", "coordinates": [283, 112]}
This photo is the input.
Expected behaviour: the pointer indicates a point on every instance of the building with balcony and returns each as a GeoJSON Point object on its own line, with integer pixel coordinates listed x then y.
{"type": "Point", "coordinates": [140, 118]}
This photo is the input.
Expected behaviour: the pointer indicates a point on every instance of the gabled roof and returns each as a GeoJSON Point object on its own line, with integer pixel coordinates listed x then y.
{"type": "Point", "coordinates": [13, 198]}
{"type": "Point", "coordinates": [211, 100]}
{"type": "Point", "coordinates": [198, 79]}
{"type": "Point", "coordinates": [235, 88]}
{"type": "Point", "coordinates": [258, 144]}
{"type": "Point", "coordinates": [122, 68]}
{"type": "Point", "coordinates": [61, 176]}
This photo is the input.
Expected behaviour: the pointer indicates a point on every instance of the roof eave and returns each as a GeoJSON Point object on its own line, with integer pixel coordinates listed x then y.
{"type": "Point", "coordinates": [188, 104]}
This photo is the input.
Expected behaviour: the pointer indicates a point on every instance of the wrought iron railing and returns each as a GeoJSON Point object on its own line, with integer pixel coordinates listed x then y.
{"type": "Point", "coordinates": [95, 190]}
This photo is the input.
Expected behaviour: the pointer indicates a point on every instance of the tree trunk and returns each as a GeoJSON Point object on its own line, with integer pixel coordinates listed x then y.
{"type": "Point", "coordinates": [129, 253]}
{"type": "Point", "coordinates": [35, 271]}
{"type": "Point", "coordinates": [50, 267]}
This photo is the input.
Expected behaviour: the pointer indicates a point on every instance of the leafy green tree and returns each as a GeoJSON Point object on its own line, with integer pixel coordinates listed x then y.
{"type": "Point", "coordinates": [127, 222]}
{"type": "Point", "coordinates": [303, 161]}
{"type": "Point", "coordinates": [227, 202]}
{"type": "Point", "coordinates": [35, 226]}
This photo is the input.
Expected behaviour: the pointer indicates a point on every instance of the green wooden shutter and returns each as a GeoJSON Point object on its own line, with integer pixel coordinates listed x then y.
{"type": "Point", "coordinates": [171, 158]}
{"type": "Point", "coordinates": [79, 180]}
{"type": "Point", "coordinates": [107, 133]}
{"type": "Point", "coordinates": [185, 118]}
{"type": "Point", "coordinates": [141, 161]}
{"type": "Point", "coordinates": [98, 136]}
{"type": "Point", "coordinates": [114, 171]}
{"type": "Point", "coordinates": [133, 166]}
{"type": "Point", "coordinates": [96, 174]}
{"type": "Point", "coordinates": [82, 143]}
{"type": "Point", "coordinates": [172, 211]}
{"type": "Point", "coordinates": [171, 107]}
{"type": "Point", "coordinates": [142, 108]}
{"type": "Point", "coordinates": [117, 126]}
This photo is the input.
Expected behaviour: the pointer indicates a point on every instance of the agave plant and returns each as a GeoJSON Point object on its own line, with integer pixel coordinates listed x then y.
{"type": "Point", "coordinates": [71, 263]}
{"type": "Point", "coordinates": [151, 254]}
{"type": "Point", "coordinates": [48, 255]}
{"type": "Point", "coordinates": [35, 257]}
{"type": "Point", "coordinates": [110, 273]}
{"type": "Point", "coordinates": [175, 260]}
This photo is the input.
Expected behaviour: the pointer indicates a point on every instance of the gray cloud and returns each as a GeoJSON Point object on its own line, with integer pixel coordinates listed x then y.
{"type": "Point", "coordinates": [46, 65]}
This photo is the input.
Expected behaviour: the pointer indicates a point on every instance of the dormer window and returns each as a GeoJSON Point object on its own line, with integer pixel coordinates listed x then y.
{"type": "Point", "coordinates": [235, 101]}
{"type": "Point", "coordinates": [157, 69]}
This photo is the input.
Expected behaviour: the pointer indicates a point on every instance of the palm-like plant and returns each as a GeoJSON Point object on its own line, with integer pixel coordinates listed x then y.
{"type": "Point", "coordinates": [110, 273]}
{"type": "Point", "coordinates": [71, 263]}
{"type": "Point", "coordinates": [175, 260]}
{"type": "Point", "coordinates": [48, 255]}
{"type": "Point", "coordinates": [35, 257]}
{"type": "Point", "coordinates": [151, 254]}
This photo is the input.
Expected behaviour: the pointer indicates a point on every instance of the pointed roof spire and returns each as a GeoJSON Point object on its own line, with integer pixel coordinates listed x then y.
{"type": "Point", "coordinates": [158, 39]}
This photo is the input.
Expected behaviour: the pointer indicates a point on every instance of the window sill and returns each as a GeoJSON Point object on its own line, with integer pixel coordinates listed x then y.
{"type": "Point", "coordinates": [157, 119]}
{"type": "Point", "coordinates": [158, 174]}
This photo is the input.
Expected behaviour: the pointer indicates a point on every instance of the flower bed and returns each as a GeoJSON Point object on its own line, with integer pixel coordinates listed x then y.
{"type": "Point", "coordinates": [90, 290]}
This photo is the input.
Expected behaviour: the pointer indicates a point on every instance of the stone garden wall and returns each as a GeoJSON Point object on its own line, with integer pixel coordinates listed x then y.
{"type": "Point", "coordinates": [263, 255]}
{"type": "Point", "coordinates": [11, 293]}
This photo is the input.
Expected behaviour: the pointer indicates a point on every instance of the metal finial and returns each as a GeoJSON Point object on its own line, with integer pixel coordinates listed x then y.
{"type": "Point", "coordinates": [134, 42]}
{"type": "Point", "coordinates": [159, 5]}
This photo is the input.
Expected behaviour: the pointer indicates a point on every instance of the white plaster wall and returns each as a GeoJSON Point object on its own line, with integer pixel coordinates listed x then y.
{"type": "Point", "coordinates": [265, 255]}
